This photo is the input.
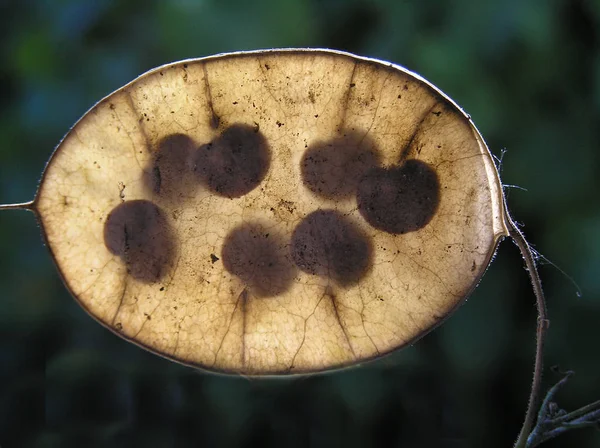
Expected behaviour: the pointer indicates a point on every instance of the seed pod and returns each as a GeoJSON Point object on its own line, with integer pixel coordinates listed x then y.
{"type": "Point", "coordinates": [272, 212]}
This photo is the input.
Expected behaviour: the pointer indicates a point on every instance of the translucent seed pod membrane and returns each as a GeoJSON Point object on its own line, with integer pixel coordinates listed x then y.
{"type": "Point", "coordinates": [272, 212]}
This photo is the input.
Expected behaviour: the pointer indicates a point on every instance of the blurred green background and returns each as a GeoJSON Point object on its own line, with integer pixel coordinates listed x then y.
{"type": "Point", "coordinates": [529, 74]}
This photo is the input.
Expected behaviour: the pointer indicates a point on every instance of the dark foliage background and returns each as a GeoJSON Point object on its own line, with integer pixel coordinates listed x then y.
{"type": "Point", "coordinates": [529, 74]}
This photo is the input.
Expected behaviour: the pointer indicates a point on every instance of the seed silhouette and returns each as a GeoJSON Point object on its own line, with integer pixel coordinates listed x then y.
{"type": "Point", "coordinates": [138, 232]}
{"type": "Point", "coordinates": [400, 199]}
{"type": "Point", "coordinates": [169, 174]}
{"type": "Point", "coordinates": [332, 168]}
{"type": "Point", "coordinates": [326, 243]}
{"type": "Point", "coordinates": [234, 163]}
{"type": "Point", "coordinates": [259, 258]}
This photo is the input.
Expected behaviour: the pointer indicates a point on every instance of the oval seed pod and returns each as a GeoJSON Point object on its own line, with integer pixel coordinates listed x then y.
{"type": "Point", "coordinates": [272, 212]}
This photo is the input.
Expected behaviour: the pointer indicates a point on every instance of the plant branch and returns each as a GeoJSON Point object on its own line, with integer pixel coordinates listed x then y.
{"type": "Point", "coordinates": [582, 412]}
{"type": "Point", "coordinates": [553, 421]}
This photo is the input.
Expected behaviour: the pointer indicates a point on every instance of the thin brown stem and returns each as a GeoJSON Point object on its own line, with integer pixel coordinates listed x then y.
{"type": "Point", "coordinates": [22, 206]}
{"type": "Point", "coordinates": [542, 325]}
